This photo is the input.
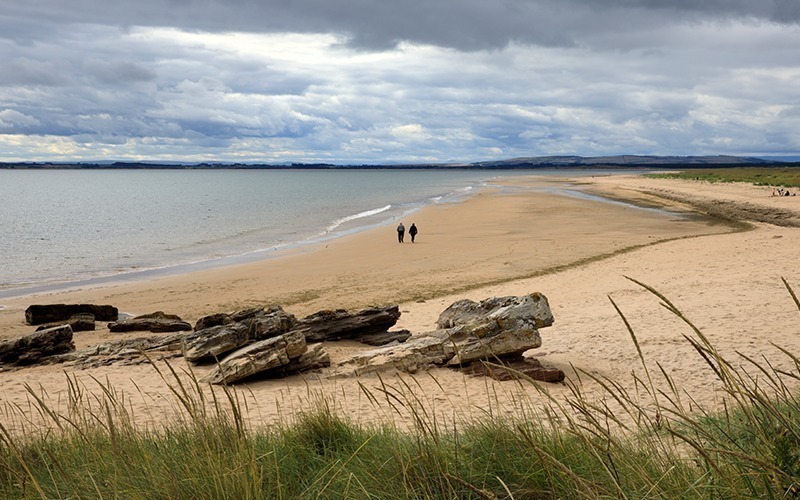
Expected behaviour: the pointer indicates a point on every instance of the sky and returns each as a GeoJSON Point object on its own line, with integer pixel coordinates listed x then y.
{"type": "Point", "coordinates": [386, 81]}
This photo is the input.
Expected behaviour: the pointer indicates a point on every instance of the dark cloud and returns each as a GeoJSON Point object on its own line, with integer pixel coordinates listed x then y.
{"type": "Point", "coordinates": [119, 72]}
{"type": "Point", "coordinates": [379, 24]}
{"type": "Point", "coordinates": [375, 81]}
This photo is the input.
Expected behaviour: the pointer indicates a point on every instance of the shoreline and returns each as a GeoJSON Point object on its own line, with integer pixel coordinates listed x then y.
{"type": "Point", "coordinates": [267, 213]}
{"type": "Point", "coordinates": [491, 245]}
{"type": "Point", "coordinates": [534, 185]}
{"type": "Point", "coordinates": [312, 243]}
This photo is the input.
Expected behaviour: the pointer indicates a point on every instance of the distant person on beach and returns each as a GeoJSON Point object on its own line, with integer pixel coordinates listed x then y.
{"type": "Point", "coordinates": [401, 232]}
{"type": "Point", "coordinates": [412, 231]}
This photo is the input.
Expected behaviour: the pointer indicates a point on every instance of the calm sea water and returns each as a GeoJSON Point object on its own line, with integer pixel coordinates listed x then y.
{"type": "Point", "coordinates": [78, 226]}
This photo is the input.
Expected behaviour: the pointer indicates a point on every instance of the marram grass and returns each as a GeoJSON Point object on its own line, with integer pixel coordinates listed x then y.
{"type": "Point", "coordinates": [649, 446]}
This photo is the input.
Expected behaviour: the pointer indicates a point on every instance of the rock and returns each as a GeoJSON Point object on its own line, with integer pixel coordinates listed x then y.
{"type": "Point", "coordinates": [32, 348]}
{"type": "Point", "coordinates": [253, 312]}
{"type": "Point", "coordinates": [213, 320]}
{"type": "Point", "coordinates": [533, 307]}
{"type": "Point", "coordinates": [384, 338]}
{"type": "Point", "coordinates": [258, 357]}
{"type": "Point", "coordinates": [408, 357]}
{"type": "Point", "coordinates": [480, 342]}
{"type": "Point", "coordinates": [515, 369]}
{"type": "Point", "coordinates": [342, 324]}
{"type": "Point", "coordinates": [314, 358]}
{"type": "Point", "coordinates": [125, 351]}
{"type": "Point", "coordinates": [235, 317]}
{"type": "Point", "coordinates": [469, 332]}
{"type": "Point", "coordinates": [270, 323]}
{"type": "Point", "coordinates": [49, 313]}
{"type": "Point", "coordinates": [82, 322]}
{"type": "Point", "coordinates": [215, 341]}
{"type": "Point", "coordinates": [154, 322]}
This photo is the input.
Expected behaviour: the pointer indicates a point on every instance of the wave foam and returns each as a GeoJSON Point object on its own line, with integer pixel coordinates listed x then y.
{"type": "Point", "coordinates": [360, 215]}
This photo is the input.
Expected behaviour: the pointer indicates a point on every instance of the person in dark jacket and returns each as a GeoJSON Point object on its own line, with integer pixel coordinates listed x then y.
{"type": "Point", "coordinates": [401, 231]}
{"type": "Point", "coordinates": [412, 231]}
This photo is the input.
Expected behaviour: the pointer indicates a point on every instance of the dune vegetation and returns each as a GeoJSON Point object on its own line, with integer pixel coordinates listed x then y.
{"type": "Point", "coordinates": [760, 176]}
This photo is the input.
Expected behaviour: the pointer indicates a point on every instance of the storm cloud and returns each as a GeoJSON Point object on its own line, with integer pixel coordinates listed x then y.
{"type": "Point", "coordinates": [375, 81]}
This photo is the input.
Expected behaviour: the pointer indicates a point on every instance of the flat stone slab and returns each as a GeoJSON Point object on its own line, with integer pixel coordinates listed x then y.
{"type": "Point", "coordinates": [48, 313]}
{"type": "Point", "coordinates": [155, 322]}
{"type": "Point", "coordinates": [515, 369]}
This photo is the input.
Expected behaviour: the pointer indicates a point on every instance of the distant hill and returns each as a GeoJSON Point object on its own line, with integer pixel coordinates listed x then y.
{"type": "Point", "coordinates": [533, 162]}
{"type": "Point", "coordinates": [624, 161]}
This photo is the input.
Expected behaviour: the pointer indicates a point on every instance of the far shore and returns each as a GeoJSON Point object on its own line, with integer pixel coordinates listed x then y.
{"type": "Point", "coordinates": [722, 269]}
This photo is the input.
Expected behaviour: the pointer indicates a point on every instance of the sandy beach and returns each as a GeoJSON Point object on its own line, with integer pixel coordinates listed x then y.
{"type": "Point", "coordinates": [575, 250]}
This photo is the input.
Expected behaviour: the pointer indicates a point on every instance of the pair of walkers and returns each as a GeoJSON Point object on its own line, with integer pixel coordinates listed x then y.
{"type": "Point", "coordinates": [401, 232]}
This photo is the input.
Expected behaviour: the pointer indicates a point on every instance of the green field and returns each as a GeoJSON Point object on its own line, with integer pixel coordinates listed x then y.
{"type": "Point", "coordinates": [778, 177]}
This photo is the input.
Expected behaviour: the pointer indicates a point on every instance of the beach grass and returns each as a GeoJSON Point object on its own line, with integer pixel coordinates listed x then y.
{"type": "Point", "coordinates": [766, 176]}
{"type": "Point", "coordinates": [654, 443]}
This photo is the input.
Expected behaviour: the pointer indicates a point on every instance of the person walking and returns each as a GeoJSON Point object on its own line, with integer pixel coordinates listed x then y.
{"type": "Point", "coordinates": [412, 231]}
{"type": "Point", "coordinates": [401, 232]}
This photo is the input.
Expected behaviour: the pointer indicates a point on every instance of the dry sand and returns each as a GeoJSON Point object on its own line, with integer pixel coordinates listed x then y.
{"type": "Point", "coordinates": [504, 241]}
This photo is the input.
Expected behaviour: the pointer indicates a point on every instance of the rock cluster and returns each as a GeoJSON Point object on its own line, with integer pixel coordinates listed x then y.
{"type": "Point", "coordinates": [469, 331]}
{"type": "Point", "coordinates": [487, 337]}
{"type": "Point", "coordinates": [272, 342]}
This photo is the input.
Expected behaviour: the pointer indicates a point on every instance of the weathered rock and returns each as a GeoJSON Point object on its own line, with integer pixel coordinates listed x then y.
{"type": "Point", "coordinates": [215, 341]}
{"type": "Point", "coordinates": [515, 369]}
{"type": "Point", "coordinates": [533, 307]}
{"type": "Point", "coordinates": [313, 359]}
{"type": "Point", "coordinates": [384, 338]}
{"type": "Point", "coordinates": [213, 320]}
{"type": "Point", "coordinates": [125, 352]}
{"type": "Point", "coordinates": [342, 324]}
{"type": "Point", "coordinates": [270, 323]}
{"type": "Point", "coordinates": [408, 357]}
{"type": "Point", "coordinates": [48, 313]}
{"type": "Point", "coordinates": [32, 348]}
{"type": "Point", "coordinates": [490, 341]}
{"type": "Point", "coordinates": [258, 357]}
{"type": "Point", "coordinates": [253, 312]}
{"type": "Point", "coordinates": [154, 322]}
{"type": "Point", "coordinates": [469, 331]}
{"type": "Point", "coordinates": [82, 322]}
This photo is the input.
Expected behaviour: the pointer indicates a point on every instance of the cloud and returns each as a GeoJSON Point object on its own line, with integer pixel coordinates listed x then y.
{"type": "Point", "coordinates": [375, 81]}
{"type": "Point", "coordinates": [10, 119]}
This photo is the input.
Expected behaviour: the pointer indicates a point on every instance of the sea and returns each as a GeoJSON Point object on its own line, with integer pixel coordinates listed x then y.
{"type": "Point", "coordinates": [84, 226]}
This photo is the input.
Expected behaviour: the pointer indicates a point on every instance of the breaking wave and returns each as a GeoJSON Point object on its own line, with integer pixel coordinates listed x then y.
{"type": "Point", "coordinates": [360, 215]}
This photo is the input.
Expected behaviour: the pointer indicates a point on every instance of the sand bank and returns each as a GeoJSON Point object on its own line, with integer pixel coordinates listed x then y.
{"type": "Point", "coordinates": [576, 251]}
